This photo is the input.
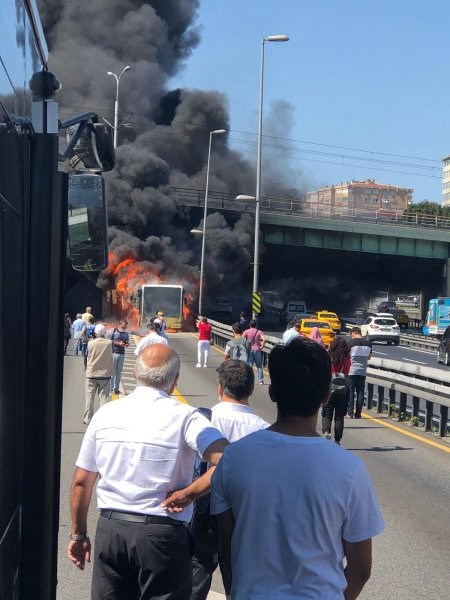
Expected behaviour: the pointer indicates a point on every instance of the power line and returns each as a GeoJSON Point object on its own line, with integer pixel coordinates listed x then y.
{"type": "Point", "coordinates": [108, 111]}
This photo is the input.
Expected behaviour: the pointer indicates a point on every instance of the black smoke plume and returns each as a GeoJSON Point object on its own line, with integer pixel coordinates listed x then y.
{"type": "Point", "coordinates": [168, 144]}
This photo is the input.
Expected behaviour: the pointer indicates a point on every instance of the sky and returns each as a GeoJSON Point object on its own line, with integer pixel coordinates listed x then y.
{"type": "Point", "coordinates": [357, 78]}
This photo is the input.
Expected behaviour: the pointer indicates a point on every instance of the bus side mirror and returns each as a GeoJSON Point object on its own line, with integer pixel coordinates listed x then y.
{"type": "Point", "coordinates": [87, 222]}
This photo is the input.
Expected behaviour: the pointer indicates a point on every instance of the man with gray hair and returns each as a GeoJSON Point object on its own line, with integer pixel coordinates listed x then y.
{"type": "Point", "coordinates": [142, 447]}
{"type": "Point", "coordinates": [77, 326]}
{"type": "Point", "coordinates": [98, 371]}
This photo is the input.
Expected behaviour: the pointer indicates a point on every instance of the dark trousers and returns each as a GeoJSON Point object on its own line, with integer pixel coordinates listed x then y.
{"type": "Point", "coordinates": [337, 407]}
{"type": "Point", "coordinates": [203, 567]}
{"type": "Point", "coordinates": [356, 383]}
{"type": "Point", "coordinates": [138, 561]}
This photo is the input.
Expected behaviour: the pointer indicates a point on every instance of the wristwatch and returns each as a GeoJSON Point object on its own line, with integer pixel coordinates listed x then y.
{"type": "Point", "coordinates": [80, 537]}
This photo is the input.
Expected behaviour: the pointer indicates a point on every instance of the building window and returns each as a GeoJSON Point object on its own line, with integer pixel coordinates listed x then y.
{"type": "Point", "coordinates": [375, 200]}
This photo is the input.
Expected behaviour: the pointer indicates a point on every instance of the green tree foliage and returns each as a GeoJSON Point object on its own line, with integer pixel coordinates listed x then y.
{"type": "Point", "coordinates": [428, 208]}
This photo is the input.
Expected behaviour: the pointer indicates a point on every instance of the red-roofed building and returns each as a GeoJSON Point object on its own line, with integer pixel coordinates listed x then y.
{"type": "Point", "coordinates": [360, 196]}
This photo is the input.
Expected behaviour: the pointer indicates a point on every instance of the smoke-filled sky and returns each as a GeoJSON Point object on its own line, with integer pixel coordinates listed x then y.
{"type": "Point", "coordinates": [168, 144]}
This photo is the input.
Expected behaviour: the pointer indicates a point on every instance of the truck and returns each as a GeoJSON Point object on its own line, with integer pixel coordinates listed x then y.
{"type": "Point", "coordinates": [165, 297]}
{"type": "Point", "coordinates": [273, 305]}
{"type": "Point", "coordinates": [438, 317]}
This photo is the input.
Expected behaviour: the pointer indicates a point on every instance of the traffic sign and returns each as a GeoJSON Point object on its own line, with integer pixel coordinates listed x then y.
{"type": "Point", "coordinates": [256, 302]}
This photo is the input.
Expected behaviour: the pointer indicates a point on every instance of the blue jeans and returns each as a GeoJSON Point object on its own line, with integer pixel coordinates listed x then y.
{"type": "Point", "coordinates": [75, 343]}
{"type": "Point", "coordinates": [356, 383]}
{"type": "Point", "coordinates": [255, 358]}
{"type": "Point", "coordinates": [117, 367]}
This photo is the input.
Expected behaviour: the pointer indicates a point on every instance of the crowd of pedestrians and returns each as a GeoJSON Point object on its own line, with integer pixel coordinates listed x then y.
{"type": "Point", "coordinates": [165, 524]}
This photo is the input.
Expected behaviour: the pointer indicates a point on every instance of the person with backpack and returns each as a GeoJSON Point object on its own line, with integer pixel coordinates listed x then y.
{"type": "Point", "coordinates": [237, 348]}
{"type": "Point", "coordinates": [120, 340]}
{"type": "Point", "coordinates": [337, 404]}
{"type": "Point", "coordinates": [87, 333]}
{"type": "Point", "coordinates": [257, 341]}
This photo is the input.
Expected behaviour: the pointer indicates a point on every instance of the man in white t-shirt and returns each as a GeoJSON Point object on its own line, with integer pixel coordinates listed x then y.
{"type": "Point", "coordinates": [152, 337]}
{"type": "Point", "coordinates": [142, 447]}
{"type": "Point", "coordinates": [291, 333]}
{"type": "Point", "coordinates": [291, 505]}
{"type": "Point", "coordinates": [235, 419]}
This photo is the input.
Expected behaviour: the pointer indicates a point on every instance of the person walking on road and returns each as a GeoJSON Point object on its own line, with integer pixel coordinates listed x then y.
{"type": "Point", "coordinates": [360, 354]}
{"type": "Point", "coordinates": [152, 337]}
{"type": "Point", "coordinates": [290, 505]}
{"type": "Point", "coordinates": [291, 333]}
{"type": "Point", "coordinates": [140, 448]}
{"type": "Point", "coordinates": [204, 342]}
{"type": "Point", "coordinates": [257, 341]}
{"type": "Point", "coordinates": [120, 340]}
{"type": "Point", "coordinates": [243, 321]}
{"type": "Point", "coordinates": [77, 326]}
{"type": "Point", "coordinates": [85, 316]}
{"type": "Point", "coordinates": [316, 337]}
{"type": "Point", "coordinates": [67, 331]}
{"type": "Point", "coordinates": [160, 320]}
{"type": "Point", "coordinates": [237, 347]}
{"type": "Point", "coordinates": [87, 333]}
{"type": "Point", "coordinates": [98, 371]}
{"type": "Point", "coordinates": [234, 418]}
{"type": "Point", "coordinates": [337, 404]}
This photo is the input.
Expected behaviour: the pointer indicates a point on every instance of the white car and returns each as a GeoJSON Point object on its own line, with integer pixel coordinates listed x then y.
{"type": "Point", "coordinates": [222, 306]}
{"type": "Point", "coordinates": [381, 327]}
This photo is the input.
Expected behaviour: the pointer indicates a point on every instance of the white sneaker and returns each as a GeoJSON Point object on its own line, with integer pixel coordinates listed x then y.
{"type": "Point", "coordinates": [205, 365]}
{"type": "Point", "coordinates": [198, 365]}
{"type": "Point", "coordinates": [328, 436]}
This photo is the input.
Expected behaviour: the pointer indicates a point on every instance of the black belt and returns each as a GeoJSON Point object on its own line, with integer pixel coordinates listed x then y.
{"type": "Point", "coordinates": [117, 515]}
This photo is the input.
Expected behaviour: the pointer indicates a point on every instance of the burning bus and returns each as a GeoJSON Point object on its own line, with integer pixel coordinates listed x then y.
{"type": "Point", "coordinates": [168, 298]}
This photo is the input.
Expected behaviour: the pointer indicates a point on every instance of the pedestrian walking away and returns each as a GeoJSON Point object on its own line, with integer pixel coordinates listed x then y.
{"type": "Point", "coordinates": [291, 333]}
{"type": "Point", "coordinates": [85, 316]}
{"type": "Point", "coordinates": [234, 418]}
{"type": "Point", "coordinates": [98, 371]}
{"type": "Point", "coordinates": [204, 342]}
{"type": "Point", "coordinates": [67, 331]}
{"type": "Point", "coordinates": [290, 505]}
{"type": "Point", "coordinates": [257, 341]}
{"type": "Point", "coordinates": [237, 348]}
{"type": "Point", "coordinates": [77, 326]}
{"type": "Point", "coordinates": [360, 354]}
{"type": "Point", "coordinates": [316, 337]}
{"type": "Point", "coordinates": [120, 340]}
{"type": "Point", "coordinates": [243, 321]}
{"type": "Point", "coordinates": [337, 404]}
{"type": "Point", "coordinates": [142, 447]}
{"type": "Point", "coordinates": [152, 337]}
{"type": "Point", "coordinates": [87, 333]}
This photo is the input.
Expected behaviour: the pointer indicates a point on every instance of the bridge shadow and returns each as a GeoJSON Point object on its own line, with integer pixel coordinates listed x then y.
{"type": "Point", "coordinates": [379, 449]}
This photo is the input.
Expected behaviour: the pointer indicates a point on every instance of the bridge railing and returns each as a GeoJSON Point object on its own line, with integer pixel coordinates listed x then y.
{"type": "Point", "coordinates": [321, 210]}
{"type": "Point", "coordinates": [407, 392]}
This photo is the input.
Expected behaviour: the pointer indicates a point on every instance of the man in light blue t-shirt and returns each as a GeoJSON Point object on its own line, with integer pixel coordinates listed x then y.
{"type": "Point", "coordinates": [77, 326]}
{"type": "Point", "coordinates": [292, 505]}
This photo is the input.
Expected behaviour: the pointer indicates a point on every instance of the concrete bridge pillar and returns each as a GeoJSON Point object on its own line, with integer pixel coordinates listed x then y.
{"type": "Point", "coordinates": [447, 278]}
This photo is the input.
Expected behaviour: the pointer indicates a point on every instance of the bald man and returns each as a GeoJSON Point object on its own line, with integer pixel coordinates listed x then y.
{"type": "Point", "coordinates": [142, 447]}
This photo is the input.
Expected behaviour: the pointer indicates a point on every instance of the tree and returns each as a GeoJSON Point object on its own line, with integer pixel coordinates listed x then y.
{"type": "Point", "coordinates": [425, 207]}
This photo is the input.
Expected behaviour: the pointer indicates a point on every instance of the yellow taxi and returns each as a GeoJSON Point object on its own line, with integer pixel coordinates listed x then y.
{"type": "Point", "coordinates": [331, 318]}
{"type": "Point", "coordinates": [325, 330]}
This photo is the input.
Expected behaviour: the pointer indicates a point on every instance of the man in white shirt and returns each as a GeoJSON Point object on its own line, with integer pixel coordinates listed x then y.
{"type": "Point", "coordinates": [290, 505]}
{"type": "Point", "coordinates": [152, 337]}
{"type": "Point", "coordinates": [235, 419]}
{"type": "Point", "coordinates": [142, 447]}
{"type": "Point", "coordinates": [291, 333]}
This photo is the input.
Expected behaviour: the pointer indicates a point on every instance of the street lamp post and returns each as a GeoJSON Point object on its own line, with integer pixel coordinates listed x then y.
{"type": "Point", "coordinates": [116, 103]}
{"type": "Point", "coordinates": [205, 213]}
{"type": "Point", "coordinates": [269, 38]}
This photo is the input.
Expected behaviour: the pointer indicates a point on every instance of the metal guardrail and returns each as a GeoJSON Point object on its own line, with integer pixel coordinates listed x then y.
{"type": "Point", "coordinates": [227, 201]}
{"type": "Point", "coordinates": [389, 383]}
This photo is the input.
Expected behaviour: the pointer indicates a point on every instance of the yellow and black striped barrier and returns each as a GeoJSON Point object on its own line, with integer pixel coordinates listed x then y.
{"type": "Point", "coordinates": [256, 303]}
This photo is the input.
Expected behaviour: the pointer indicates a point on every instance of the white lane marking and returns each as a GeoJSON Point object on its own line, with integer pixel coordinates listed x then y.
{"type": "Point", "coordinates": [419, 350]}
{"type": "Point", "coordinates": [378, 352]}
{"type": "Point", "coordinates": [419, 362]}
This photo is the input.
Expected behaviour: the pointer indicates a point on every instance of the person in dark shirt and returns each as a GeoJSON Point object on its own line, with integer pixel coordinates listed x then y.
{"type": "Point", "coordinates": [120, 340]}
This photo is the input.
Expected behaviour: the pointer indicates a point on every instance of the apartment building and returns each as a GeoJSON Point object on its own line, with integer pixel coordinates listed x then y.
{"type": "Point", "coordinates": [364, 195]}
{"type": "Point", "coordinates": [446, 181]}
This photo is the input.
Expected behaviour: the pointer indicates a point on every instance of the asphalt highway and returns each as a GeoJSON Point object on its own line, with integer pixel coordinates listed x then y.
{"type": "Point", "coordinates": [411, 477]}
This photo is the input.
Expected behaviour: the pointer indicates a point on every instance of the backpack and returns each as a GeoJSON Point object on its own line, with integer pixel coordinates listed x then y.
{"type": "Point", "coordinates": [89, 333]}
{"type": "Point", "coordinates": [203, 525]}
{"type": "Point", "coordinates": [239, 349]}
{"type": "Point", "coordinates": [338, 384]}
